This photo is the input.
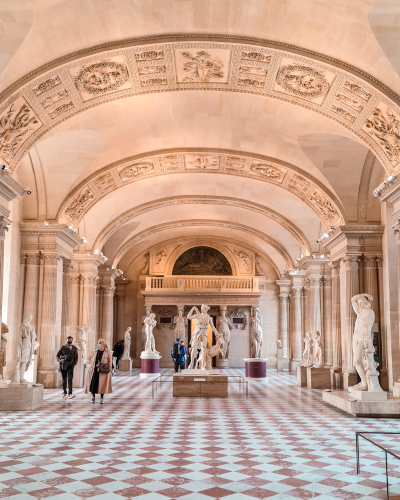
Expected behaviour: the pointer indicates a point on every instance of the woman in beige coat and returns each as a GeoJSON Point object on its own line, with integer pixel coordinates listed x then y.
{"type": "Point", "coordinates": [96, 382]}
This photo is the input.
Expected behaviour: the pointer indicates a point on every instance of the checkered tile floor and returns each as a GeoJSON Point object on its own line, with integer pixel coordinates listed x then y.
{"type": "Point", "coordinates": [282, 442]}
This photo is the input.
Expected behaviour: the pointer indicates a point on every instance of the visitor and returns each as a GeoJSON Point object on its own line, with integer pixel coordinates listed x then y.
{"type": "Point", "coordinates": [98, 379]}
{"type": "Point", "coordinates": [186, 353]}
{"type": "Point", "coordinates": [68, 358]}
{"type": "Point", "coordinates": [118, 352]}
{"type": "Point", "coordinates": [178, 355]}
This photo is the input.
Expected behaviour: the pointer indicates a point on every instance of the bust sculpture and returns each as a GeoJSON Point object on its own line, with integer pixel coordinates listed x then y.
{"type": "Point", "coordinates": [279, 344]}
{"type": "Point", "coordinates": [82, 341]}
{"type": "Point", "coordinates": [3, 349]}
{"type": "Point", "coordinates": [25, 350]}
{"type": "Point", "coordinates": [127, 344]}
{"type": "Point", "coordinates": [318, 349]}
{"type": "Point", "coordinates": [150, 322]}
{"type": "Point", "coordinates": [256, 334]}
{"type": "Point", "coordinates": [363, 348]}
{"type": "Point", "coordinates": [180, 325]}
{"type": "Point", "coordinates": [307, 359]}
{"type": "Point", "coordinates": [223, 328]}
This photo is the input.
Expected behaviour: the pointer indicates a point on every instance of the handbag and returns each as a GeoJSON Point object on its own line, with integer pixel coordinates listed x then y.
{"type": "Point", "coordinates": [104, 368]}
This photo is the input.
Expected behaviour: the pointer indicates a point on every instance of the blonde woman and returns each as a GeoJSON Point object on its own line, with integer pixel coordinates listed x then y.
{"type": "Point", "coordinates": [98, 380]}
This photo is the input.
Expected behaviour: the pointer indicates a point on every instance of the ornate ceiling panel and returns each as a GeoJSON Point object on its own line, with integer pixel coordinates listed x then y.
{"type": "Point", "coordinates": [83, 83]}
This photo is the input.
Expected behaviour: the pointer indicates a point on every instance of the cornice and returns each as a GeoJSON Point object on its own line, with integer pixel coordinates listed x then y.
{"type": "Point", "coordinates": [59, 231]}
{"type": "Point", "coordinates": [9, 188]}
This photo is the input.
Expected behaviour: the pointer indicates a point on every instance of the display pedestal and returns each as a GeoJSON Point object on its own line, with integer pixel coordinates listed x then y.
{"type": "Point", "coordinates": [336, 378]}
{"type": "Point", "coordinates": [302, 376]}
{"type": "Point", "coordinates": [31, 373]}
{"type": "Point", "coordinates": [125, 365]}
{"type": "Point", "coordinates": [349, 379]}
{"type": "Point", "coordinates": [195, 386]}
{"type": "Point", "coordinates": [256, 368]}
{"type": "Point", "coordinates": [79, 372]}
{"type": "Point", "coordinates": [378, 409]}
{"type": "Point", "coordinates": [279, 359]}
{"type": "Point", "coordinates": [396, 390]}
{"type": "Point", "coordinates": [21, 397]}
{"type": "Point", "coordinates": [367, 396]}
{"type": "Point", "coordinates": [318, 378]}
{"type": "Point", "coordinates": [150, 365]}
{"type": "Point", "coordinates": [222, 363]}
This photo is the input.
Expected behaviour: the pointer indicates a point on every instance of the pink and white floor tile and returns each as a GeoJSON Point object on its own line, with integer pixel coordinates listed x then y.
{"type": "Point", "coordinates": [282, 442]}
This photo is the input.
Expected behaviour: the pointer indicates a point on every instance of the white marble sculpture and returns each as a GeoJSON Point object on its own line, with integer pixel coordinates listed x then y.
{"type": "Point", "coordinates": [127, 344]}
{"type": "Point", "coordinates": [259, 271]}
{"type": "Point", "coordinates": [150, 322]}
{"type": "Point", "coordinates": [256, 334]}
{"type": "Point", "coordinates": [223, 328]}
{"type": "Point", "coordinates": [3, 349]}
{"type": "Point", "coordinates": [145, 270]}
{"type": "Point", "coordinates": [307, 358]}
{"type": "Point", "coordinates": [363, 348]}
{"type": "Point", "coordinates": [143, 333]}
{"type": "Point", "coordinates": [180, 325]}
{"type": "Point", "coordinates": [25, 350]}
{"type": "Point", "coordinates": [200, 339]}
{"type": "Point", "coordinates": [279, 344]}
{"type": "Point", "coordinates": [318, 349]}
{"type": "Point", "coordinates": [82, 341]}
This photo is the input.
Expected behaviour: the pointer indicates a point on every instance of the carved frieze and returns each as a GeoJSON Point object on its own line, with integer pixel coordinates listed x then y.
{"type": "Point", "coordinates": [202, 162]}
{"type": "Point", "coordinates": [253, 70]}
{"type": "Point", "coordinates": [105, 183]}
{"type": "Point", "coordinates": [101, 78]}
{"type": "Point", "coordinates": [298, 184]}
{"type": "Point", "coordinates": [79, 203]}
{"type": "Point", "coordinates": [268, 171]}
{"type": "Point", "coordinates": [238, 313]}
{"type": "Point", "coordinates": [251, 82]}
{"type": "Point", "coordinates": [168, 162]}
{"type": "Point", "coordinates": [244, 261]}
{"type": "Point", "coordinates": [349, 102]}
{"type": "Point", "coordinates": [202, 66]}
{"type": "Point", "coordinates": [54, 98]}
{"type": "Point", "coordinates": [17, 122]}
{"type": "Point", "coordinates": [136, 170]}
{"type": "Point", "coordinates": [149, 55]}
{"type": "Point", "coordinates": [343, 113]}
{"type": "Point", "coordinates": [154, 82]}
{"type": "Point", "coordinates": [256, 56]}
{"type": "Point", "coordinates": [235, 163]}
{"type": "Point", "coordinates": [151, 70]}
{"type": "Point", "coordinates": [46, 85]}
{"type": "Point", "coordinates": [59, 110]}
{"type": "Point", "coordinates": [324, 206]}
{"type": "Point", "coordinates": [383, 126]}
{"type": "Point", "coordinates": [303, 81]}
{"type": "Point", "coordinates": [357, 90]}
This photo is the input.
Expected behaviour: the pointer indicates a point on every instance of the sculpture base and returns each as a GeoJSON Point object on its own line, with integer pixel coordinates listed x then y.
{"type": "Point", "coordinates": [222, 363]}
{"type": "Point", "coordinates": [349, 379]}
{"type": "Point", "coordinates": [201, 373]}
{"type": "Point", "coordinates": [79, 373]}
{"type": "Point", "coordinates": [21, 397]}
{"type": "Point", "coordinates": [203, 386]}
{"type": "Point", "coordinates": [279, 359]}
{"type": "Point", "coordinates": [367, 396]}
{"type": "Point", "coordinates": [318, 378]}
{"type": "Point", "coordinates": [396, 390]}
{"type": "Point", "coordinates": [125, 365]}
{"type": "Point", "coordinates": [150, 363]}
{"type": "Point", "coordinates": [256, 368]}
{"type": "Point", "coordinates": [336, 378]}
{"type": "Point", "coordinates": [373, 409]}
{"type": "Point", "coordinates": [302, 376]}
{"type": "Point", "coordinates": [49, 378]}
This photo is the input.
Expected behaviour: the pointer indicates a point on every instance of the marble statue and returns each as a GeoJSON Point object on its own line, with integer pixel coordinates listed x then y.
{"type": "Point", "coordinates": [259, 271]}
{"type": "Point", "coordinates": [82, 341]}
{"type": "Point", "coordinates": [256, 334]}
{"type": "Point", "coordinates": [150, 323]}
{"type": "Point", "coordinates": [318, 349]}
{"type": "Point", "coordinates": [143, 333]}
{"type": "Point", "coordinates": [180, 325]}
{"type": "Point", "coordinates": [3, 349]}
{"type": "Point", "coordinates": [307, 358]}
{"type": "Point", "coordinates": [145, 270]}
{"type": "Point", "coordinates": [279, 344]}
{"type": "Point", "coordinates": [127, 343]}
{"type": "Point", "coordinates": [363, 348]}
{"type": "Point", "coordinates": [199, 339]}
{"type": "Point", "coordinates": [26, 349]}
{"type": "Point", "coordinates": [223, 328]}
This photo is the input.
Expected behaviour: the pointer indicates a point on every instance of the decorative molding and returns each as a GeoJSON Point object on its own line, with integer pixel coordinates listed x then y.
{"type": "Point", "coordinates": [238, 313]}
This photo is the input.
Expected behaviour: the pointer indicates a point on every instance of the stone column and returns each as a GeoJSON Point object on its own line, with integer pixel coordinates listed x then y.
{"type": "Point", "coordinates": [31, 288]}
{"type": "Point", "coordinates": [4, 222]}
{"type": "Point", "coordinates": [371, 282]}
{"type": "Point", "coordinates": [336, 337]}
{"type": "Point", "coordinates": [284, 286]}
{"type": "Point", "coordinates": [107, 317]}
{"type": "Point", "coordinates": [66, 300]}
{"type": "Point", "coordinates": [327, 322]}
{"type": "Point", "coordinates": [296, 329]}
{"type": "Point", "coordinates": [120, 315]}
{"type": "Point", "coordinates": [315, 304]}
{"type": "Point", "coordinates": [74, 303]}
{"type": "Point", "coordinates": [89, 309]}
{"type": "Point", "coordinates": [384, 378]}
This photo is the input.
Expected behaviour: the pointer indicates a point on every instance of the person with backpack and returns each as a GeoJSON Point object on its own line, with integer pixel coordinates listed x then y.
{"type": "Point", "coordinates": [178, 355]}
{"type": "Point", "coordinates": [67, 357]}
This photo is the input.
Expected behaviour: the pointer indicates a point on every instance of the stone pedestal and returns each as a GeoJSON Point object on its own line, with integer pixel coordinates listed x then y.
{"type": "Point", "coordinates": [195, 386]}
{"type": "Point", "coordinates": [150, 365]}
{"type": "Point", "coordinates": [336, 378]}
{"type": "Point", "coordinates": [279, 359]}
{"type": "Point", "coordinates": [21, 397]}
{"type": "Point", "coordinates": [222, 363]}
{"type": "Point", "coordinates": [256, 368]}
{"type": "Point", "coordinates": [302, 376]}
{"type": "Point", "coordinates": [349, 379]}
{"type": "Point", "coordinates": [396, 390]}
{"type": "Point", "coordinates": [318, 378]}
{"type": "Point", "coordinates": [125, 365]}
{"type": "Point", "coordinates": [79, 373]}
{"type": "Point", "coordinates": [379, 409]}
{"type": "Point", "coordinates": [31, 373]}
{"type": "Point", "coordinates": [368, 396]}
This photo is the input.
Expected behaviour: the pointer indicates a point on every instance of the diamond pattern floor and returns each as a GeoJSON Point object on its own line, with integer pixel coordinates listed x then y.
{"type": "Point", "coordinates": [282, 443]}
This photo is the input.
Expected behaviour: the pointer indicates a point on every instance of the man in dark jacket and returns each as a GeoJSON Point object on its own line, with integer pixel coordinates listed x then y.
{"type": "Point", "coordinates": [68, 358]}
{"type": "Point", "coordinates": [118, 352]}
{"type": "Point", "coordinates": [178, 355]}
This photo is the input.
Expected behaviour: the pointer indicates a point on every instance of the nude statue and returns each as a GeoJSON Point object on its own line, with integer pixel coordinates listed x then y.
{"type": "Point", "coordinates": [318, 349]}
{"type": "Point", "coordinates": [223, 328]}
{"type": "Point", "coordinates": [307, 360]}
{"type": "Point", "coordinates": [200, 335]}
{"type": "Point", "coordinates": [3, 349]}
{"type": "Point", "coordinates": [180, 325]}
{"type": "Point", "coordinates": [127, 343]}
{"type": "Point", "coordinates": [256, 334]}
{"type": "Point", "coordinates": [150, 323]}
{"type": "Point", "coordinates": [26, 349]}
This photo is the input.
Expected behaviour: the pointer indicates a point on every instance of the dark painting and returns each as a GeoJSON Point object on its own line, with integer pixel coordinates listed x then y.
{"type": "Point", "coordinates": [204, 261]}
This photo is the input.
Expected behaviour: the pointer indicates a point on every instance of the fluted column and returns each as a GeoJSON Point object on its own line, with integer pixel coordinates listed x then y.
{"type": "Point", "coordinates": [107, 317]}
{"type": "Point", "coordinates": [371, 282]}
{"type": "Point", "coordinates": [31, 288]}
{"type": "Point", "coordinates": [327, 322]}
{"type": "Point", "coordinates": [284, 290]}
{"type": "Point", "coordinates": [384, 378]}
{"type": "Point", "coordinates": [120, 315]}
{"type": "Point", "coordinates": [89, 309]}
{"type": "Point", "coordinates": [66, 300]}
{"type": "Point", "coordinates": [296, 329]}
{"type": "Point", "coordinates": [336, 337]}
{"type": "Point", "coordinates": [74, 303]}
{"type": "Point", "coordinates": [315, 304]}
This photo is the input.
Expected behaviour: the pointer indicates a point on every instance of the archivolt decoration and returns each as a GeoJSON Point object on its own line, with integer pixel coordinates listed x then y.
{"type": "Point", "coordinates": [80, 81]}
{"type": "Point", "coordinates": [306, 187]}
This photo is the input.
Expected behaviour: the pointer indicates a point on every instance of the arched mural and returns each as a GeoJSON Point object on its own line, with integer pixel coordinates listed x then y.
{"type": "Point", "coordinates": [199, 261]}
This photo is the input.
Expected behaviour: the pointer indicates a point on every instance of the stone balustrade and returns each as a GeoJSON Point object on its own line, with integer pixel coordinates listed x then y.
{"type": "Point", "coordinates": [211, 284]}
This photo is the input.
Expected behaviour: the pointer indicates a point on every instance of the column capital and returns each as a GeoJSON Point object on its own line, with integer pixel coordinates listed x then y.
{"type": "Point", "coordinates": [351, 262]}
{"type": "Point", "coordinates": [284, 287]}
{"type": "Point", "coordinates": [67, 266]}
{"type": "Point", "coordinates": [369, 260]}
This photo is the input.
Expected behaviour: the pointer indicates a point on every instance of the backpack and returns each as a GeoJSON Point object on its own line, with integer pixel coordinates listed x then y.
{"type": "Point", "coordinates": [175, 352]}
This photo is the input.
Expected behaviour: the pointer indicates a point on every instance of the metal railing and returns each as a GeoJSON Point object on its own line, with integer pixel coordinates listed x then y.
{"type": "Point", "coordinates": [159, 381]}
{"type": "Point", "coordinates": [210, 284]}
{"type": "Point", "coordinates": [379, 446]}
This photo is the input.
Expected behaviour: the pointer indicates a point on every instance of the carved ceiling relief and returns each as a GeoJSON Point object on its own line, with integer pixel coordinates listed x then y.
{"type": "Point", "coordinates": [168, 163]}
{"type": "Point", "coordinates": [202, 162]}
{"type": "Point", "coordinates": [266, 170]}
{"type": "Point", "coordinates": [202, 66]}
{"type": "Point", "coordinates": [298, 184]}
{"type": "Point", "coordinates": [78, 204]}
{"type": "Point", "coordinates": [235, 163]}
{"type": "Point", "coordinates": [136, 170]}
{"type": "Point", "coordinates": [105, 183]}
{"type": "Point", "coordinates": [244, 260]}
{"type": "Point", "coordinates": [324, 206]}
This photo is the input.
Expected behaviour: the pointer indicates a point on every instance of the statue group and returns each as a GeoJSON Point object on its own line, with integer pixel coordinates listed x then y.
{"type": "Point", "coordinates": [149, 323]}
{"type": "Point", "coordinates": [310, 342]}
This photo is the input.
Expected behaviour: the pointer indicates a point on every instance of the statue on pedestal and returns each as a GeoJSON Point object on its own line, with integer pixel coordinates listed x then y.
{"type": "Point", "coordinates": [81, 343]}
{"type": "Point", "coordinates": [318, 349]}
{"type": "Point", "coordinates": [223, 328]}
{"type": "Point", "coordinates": [180, 325]}
{"type": "Point", "coordinates": [200, 339]}
{"type": "Point", "coordinates": [150, 323]}
{"type": "Point", "coordinates": [363, 348]}
{"type": "Point", "coordinates": [26, 349]}
{"type": "Point", "coordinates": [307, 358]}
{"type": "Point", "coordinates": [143, 333]}
{"type": "Point", "coordinates": [3, 349]}
{"type": "Point", "coordinates": [279, 344]}
{"type": "Point", "coordinates": [256, 334]}
{"type": "Point", "coordinates": [127, 344]}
